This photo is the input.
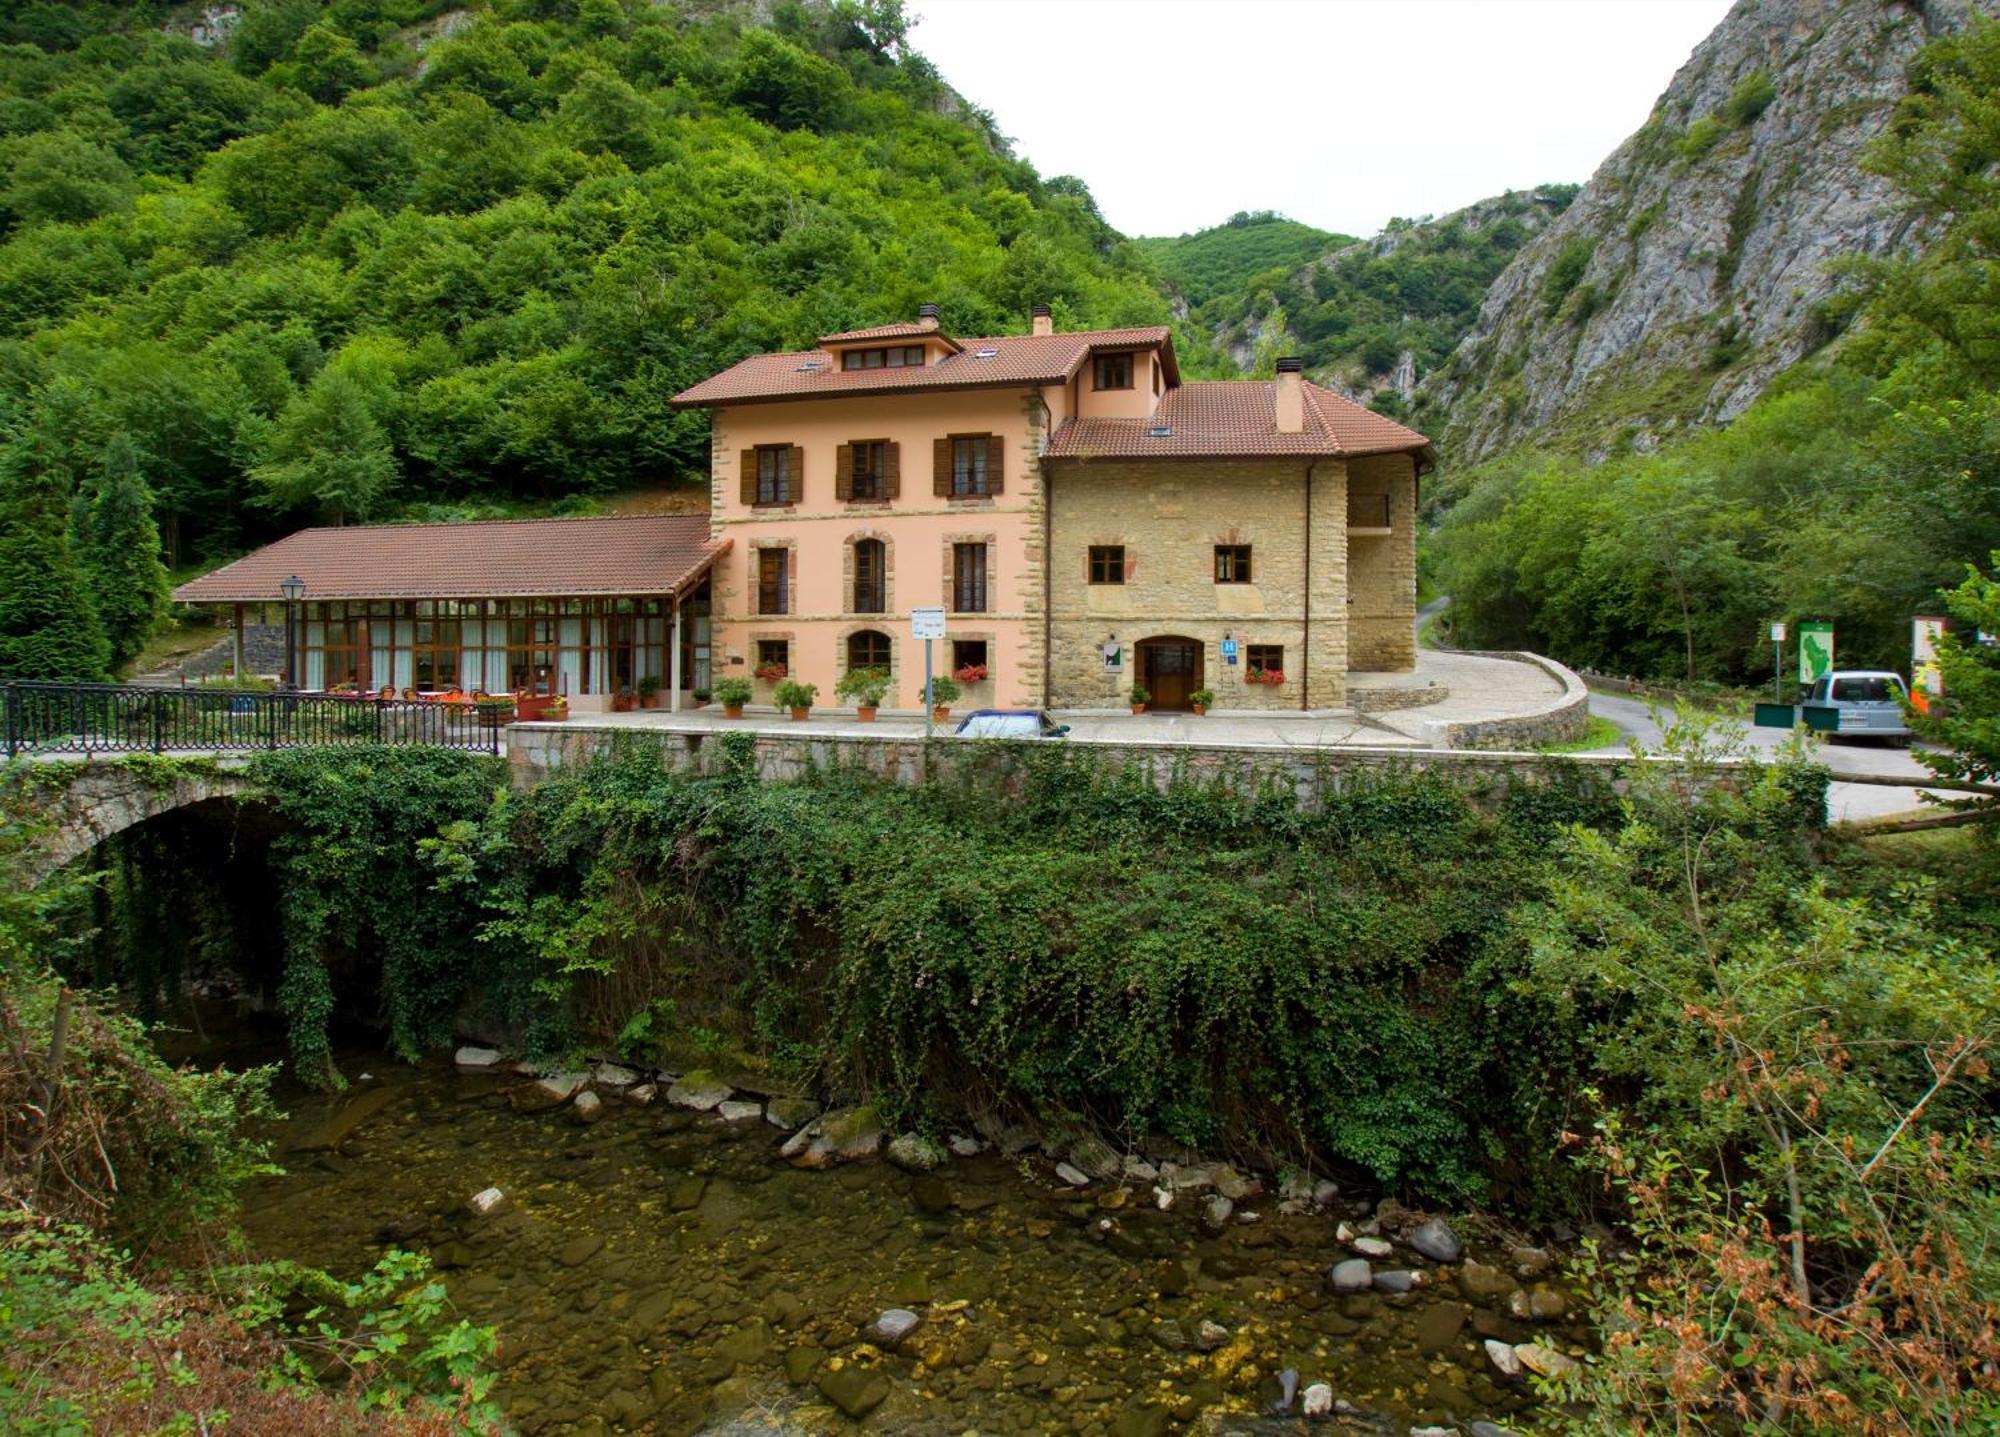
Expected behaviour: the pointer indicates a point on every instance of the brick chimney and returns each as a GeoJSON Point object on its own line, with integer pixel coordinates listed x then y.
{"type": "Point", "coordinates": [927, 316]}
{"type": "Point", "coordinates": [1291, 396]}
{"type": "Point", "coordinates": [1043, 324]}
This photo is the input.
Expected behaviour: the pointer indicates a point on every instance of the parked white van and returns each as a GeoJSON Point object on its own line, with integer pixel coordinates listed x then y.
{"type": "Point", "coordinates": [1865, 703]}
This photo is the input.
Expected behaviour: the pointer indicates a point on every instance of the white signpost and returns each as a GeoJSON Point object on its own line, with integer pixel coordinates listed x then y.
{"type": "Point", "coordinates": [927, 624]}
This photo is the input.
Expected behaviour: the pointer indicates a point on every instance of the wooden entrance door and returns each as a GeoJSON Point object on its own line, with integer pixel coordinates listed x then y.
{"type": "Point", "coordinates": [1171, 670]}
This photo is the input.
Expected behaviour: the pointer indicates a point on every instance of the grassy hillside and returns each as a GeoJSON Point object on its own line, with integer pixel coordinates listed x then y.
{"type": "Point", "coordinates": [385, 257]}
{"type": "Point", "coordinates": [1260, 286]}
{"type": "Point", "coordinates": [1232, 257]}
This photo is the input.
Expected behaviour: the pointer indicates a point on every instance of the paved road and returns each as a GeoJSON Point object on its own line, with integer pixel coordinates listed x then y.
{"type": "Point", "coordinates": [1644, 721]}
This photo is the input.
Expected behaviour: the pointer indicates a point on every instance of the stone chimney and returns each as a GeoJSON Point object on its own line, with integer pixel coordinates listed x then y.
{"type": "Point", "coordinates": [1043, 324]}
{"type": "Point", "coordinates": [1291, 396]}
{"type": "Point", "coordinates": [927, 316]}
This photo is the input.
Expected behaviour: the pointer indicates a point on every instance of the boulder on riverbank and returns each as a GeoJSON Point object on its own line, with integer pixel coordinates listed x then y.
{"type": "Point", "coordinates": [846, 1136]}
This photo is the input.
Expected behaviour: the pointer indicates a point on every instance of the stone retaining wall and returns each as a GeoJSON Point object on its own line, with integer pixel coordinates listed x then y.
{"type": "Point", "coordinates": [1557, 721]}
{"type": "Point", "coordinates": [536, 751]}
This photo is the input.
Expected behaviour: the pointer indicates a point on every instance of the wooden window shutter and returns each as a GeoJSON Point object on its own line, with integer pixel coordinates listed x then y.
{"type": "Point", "coordinates": [941, 468]}
{"type": "Point", "coordinates": [749, 489]}
{"type": "Point", "coordinates": [795, 479]}
{"type": "Point", "coordinates": [996, 460]}
{"type": "Point", "coordinates": [843, 473]}
{"type": "Point", "coordinates": [892, 470]}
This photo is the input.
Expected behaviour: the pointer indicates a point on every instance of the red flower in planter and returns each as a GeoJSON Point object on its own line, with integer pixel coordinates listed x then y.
{"type": "Point", "coordinates": [771, 673]}
{"type": "Point", "coordinates": [970, 674]}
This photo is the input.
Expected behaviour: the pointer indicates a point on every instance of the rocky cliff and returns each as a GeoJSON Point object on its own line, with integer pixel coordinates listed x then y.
{"type": "Point", "coordinates": [1703, 257]}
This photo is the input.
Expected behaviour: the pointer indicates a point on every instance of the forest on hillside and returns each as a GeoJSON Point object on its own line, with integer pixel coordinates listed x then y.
{"type": "Point", "coordinates": [1260, 286]}
{"type": "Point", "coordinates": [1856, 489]}
{"type": "Point", "coordinates": [399, 258]}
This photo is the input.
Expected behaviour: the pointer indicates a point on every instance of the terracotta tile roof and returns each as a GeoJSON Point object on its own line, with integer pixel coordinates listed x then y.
{"type": "Point", "coordinates": [1235, 418]}
{"type": "Point", "coordinates": [1005, 359]}
{"type": "Point", "coordinates": [638, 554]}
{"type": "Point", "coordinates": [906, 329]}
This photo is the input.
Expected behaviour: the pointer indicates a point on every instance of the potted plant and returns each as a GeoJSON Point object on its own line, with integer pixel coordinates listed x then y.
{"type": "Point", "coordinates": [944, 690]}
{"type": "Point", "coordinates": [866, 688]}
{"type": "Point", "coordinates": [733, 694]}
{"type": "Point", "coordinates": [624, 701]}
{"type": "Point", "coordinates": [649, 692]}
{"type": "Point", "coordinates": [556, 710]}
{"type": "Point", "coordinates": [771, 673]}
{"type": "Point", "coordinates": [1140, 698]}
{"type": "Point", "coordinates": [970, 674]}
{"type": "Point", "coordinates": [1200, 699]}
{"type": "Point", "coordinates": [798, 698]}
{"type": "Point", "coordinates": [494, 709]}
{"type": "Point", "coordinates": [701, 697]}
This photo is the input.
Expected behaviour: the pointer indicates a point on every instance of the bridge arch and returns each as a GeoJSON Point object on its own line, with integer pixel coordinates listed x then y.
{"type": "Point", "coordinates": [79, 805]}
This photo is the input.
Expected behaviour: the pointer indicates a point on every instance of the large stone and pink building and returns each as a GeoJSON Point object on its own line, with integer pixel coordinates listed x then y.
{"type": "Point", "coordinates": [1087, 520]}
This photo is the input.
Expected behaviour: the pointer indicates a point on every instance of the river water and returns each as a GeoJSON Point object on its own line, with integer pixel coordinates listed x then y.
{"type": "Point", "coordinates": [663, 1271]}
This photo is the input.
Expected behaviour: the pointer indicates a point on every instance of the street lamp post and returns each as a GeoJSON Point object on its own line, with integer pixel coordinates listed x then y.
{"type": "Point", "coordinates": [293, 589]}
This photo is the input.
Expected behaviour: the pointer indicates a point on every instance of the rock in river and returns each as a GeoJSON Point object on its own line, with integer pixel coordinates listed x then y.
{"type": "Point", "coordinates": [1504, 1359]}
{"type": "Point", "coordinates": [1395, 1280]}
{"type": "Point", "coordinates": [1374, 1247]}
{"type": "Point", "coordinates": [1075, 1177]}
{"type": "Point", "coordinates": [915, 1153]}
{"type": "Point", "coordinates": [893, 1326]}
{"type": "Point", "coordinates": [550, 1092]}
{"type": "Point", "coordinates": [477, 1057]}
{"type": "Point", "coordinates": [580, 1249]}
{"type": "Point", "coordinates": [1319, 1400]}
{"type": "Point", "coordinates": [790, 1113]}
{"type": "Point", "coordinates": [486, 1202]}
{"type": "Point", "coordinates": [1436, 1241]}
{"type": "Point", "coordinates": [857, 1391]}
{"type": "Point", "coordinates": [1353, 1275]}
{"type": "Point", "coordinates": [589, 1107]}
{"type": "Point", "coordinates": [840, 1137]}
{"type": "Point", "coordinates": [700, 1090]}
{"type": "Point", "coordinates": [1543, 1360]}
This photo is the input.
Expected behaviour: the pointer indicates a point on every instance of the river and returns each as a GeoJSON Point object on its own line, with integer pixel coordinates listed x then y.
{"type": "Point", "coordinates": [665, 1271]}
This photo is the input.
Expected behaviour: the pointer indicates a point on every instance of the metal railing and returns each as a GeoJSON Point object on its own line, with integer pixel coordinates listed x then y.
{"type": "Point", "coordinates": [123, 718]}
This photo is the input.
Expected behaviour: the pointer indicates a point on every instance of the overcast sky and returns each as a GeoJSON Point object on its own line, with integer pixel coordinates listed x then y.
{"type": "Point", "coordinates": [1342, 113]}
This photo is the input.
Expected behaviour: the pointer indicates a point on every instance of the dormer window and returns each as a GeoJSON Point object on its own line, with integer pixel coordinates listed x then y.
{"type": "Point", "coordinates": [1114, 371]}
{"type": "Point", "coordinates": [901, 356]}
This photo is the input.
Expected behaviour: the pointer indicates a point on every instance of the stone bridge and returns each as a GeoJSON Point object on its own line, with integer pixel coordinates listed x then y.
{"type": "Point", "coordinates": [78, 803]}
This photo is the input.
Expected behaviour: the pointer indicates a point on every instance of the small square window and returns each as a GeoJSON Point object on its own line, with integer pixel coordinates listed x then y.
{"type": "Point", "coordinates": [1232, 563]}
{"type": "Point", "coordinates": [1107, 563]}
{"type": "Point", "coordinates": [1262, 660]}
{"type": "Point", "coordinates": [1114, 371]}
{"type": "Point", "coordinates": [968, 658]}
{"type": "Point", "coordinates": [774, 658]}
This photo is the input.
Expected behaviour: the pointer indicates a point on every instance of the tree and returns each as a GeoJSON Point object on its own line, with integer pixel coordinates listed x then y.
{"type": "Point", "coordinates": [48, 624]}
{"type": "Point", "coordinates": [329, 453]}
{"type": "Point", "coordinates": [783, 85]}
{"type": "Point", "coordinates": [1967, 723]}
{"type": "Point", "coordinates": [118, 546]}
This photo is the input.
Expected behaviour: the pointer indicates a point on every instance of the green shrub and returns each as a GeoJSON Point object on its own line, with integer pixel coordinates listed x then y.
{"type": "Point", "coordinates": [1751, 96]}
{"type": "Point", "coordinates": [866, 687]}
{"type": "Point", "coordinates": [734, 692]}
{"type": "Point", "coordinates": [791, 694]}
{"type": "Point", "coordinates": [1565, 272]}
{"type": "Point", "coordinates": [1701, 137]}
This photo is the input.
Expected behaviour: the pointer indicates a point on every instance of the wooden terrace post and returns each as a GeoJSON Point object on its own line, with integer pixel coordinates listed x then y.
{"type": "Point", "coordinates": [236, 656]}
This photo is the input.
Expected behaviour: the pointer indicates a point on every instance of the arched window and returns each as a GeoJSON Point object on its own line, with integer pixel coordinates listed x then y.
{"type": "Point", "coordinates": [868, 649]}
{"type": "Point", "coordinates": [871, 577]}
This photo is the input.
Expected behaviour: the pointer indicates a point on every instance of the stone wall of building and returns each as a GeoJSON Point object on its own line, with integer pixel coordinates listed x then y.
{"type": "Point", "coordinates": [1169, 515]}
{"type": "Point", "coordinates": [1382, 568]}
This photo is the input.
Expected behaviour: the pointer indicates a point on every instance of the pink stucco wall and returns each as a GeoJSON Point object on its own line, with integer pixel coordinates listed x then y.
{"type": "Point", "coordinates": [917, 528]}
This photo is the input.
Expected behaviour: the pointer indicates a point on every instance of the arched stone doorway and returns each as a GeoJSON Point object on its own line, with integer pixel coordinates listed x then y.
{"type": "Point", "coordinates": [1170, 667]}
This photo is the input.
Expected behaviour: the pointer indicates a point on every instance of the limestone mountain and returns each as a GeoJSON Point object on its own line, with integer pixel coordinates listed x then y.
{"type": "Point", "coordinates": [1706, 254]}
